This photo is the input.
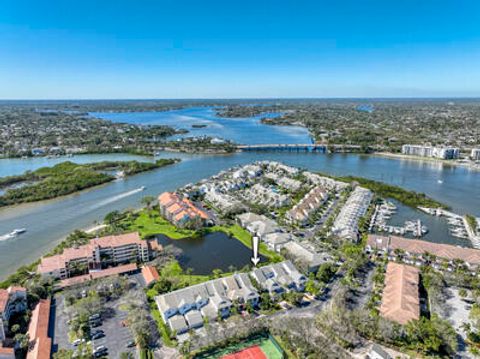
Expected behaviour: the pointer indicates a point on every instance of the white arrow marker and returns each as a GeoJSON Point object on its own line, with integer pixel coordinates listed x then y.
{"type": "Point", "coordinates": [255, 258]}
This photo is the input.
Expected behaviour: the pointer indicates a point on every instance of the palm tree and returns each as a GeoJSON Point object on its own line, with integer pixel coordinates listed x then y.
{"type": "Point", "coordinates": [147, 201]}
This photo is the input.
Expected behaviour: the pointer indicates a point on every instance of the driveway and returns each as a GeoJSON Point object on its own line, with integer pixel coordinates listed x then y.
{"type": "Point", "coordinates": [58, 326]}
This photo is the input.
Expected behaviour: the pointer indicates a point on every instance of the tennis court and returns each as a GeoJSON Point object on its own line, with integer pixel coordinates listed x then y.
{"type": "Point", "coordinates": [261, 347]}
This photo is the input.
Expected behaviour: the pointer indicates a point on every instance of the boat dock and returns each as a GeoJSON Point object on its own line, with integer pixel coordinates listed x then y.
{"type": "Point", "coordinates": [458, 225]}
{"type": "Point", "coordinates": [384, 212]}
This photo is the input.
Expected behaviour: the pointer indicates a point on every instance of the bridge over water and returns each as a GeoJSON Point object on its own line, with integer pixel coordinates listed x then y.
{"type": "Point", "coordinates": [296, 147]}
{"type": "Point", "coordinates": [284, 147]}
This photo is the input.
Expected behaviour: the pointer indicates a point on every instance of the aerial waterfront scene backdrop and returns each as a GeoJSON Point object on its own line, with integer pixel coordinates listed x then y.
{"type": "Point", "coordinates": [47, 222]}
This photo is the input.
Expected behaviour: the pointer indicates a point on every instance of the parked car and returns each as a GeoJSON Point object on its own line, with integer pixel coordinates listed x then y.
{"type": "Point", "coordinates": [94, 317]}
{"type": "Point", "coordinates": [97, 335]}
{"type": "Point", "coordinates": [95, 323]}
{"type": "Point", "coordinates": [100, 351]}
{"type": "Point", "coordinates": [131, 344]}
{"type": "Point", "coordinates": [77, 342]}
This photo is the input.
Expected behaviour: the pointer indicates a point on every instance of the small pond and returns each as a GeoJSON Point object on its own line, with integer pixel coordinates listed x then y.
{"type": "Point", "coordinates": [213, 251]}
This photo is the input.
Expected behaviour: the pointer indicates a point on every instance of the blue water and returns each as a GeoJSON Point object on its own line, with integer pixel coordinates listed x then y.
{"type": "Point", "coordinates": [240, 130]}
{"type": "Point", "coordinates": [48, 222]}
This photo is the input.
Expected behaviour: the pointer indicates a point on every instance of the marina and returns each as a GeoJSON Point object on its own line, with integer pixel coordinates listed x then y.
{"type": "Point", "coordinates": [384, 212]}
{"type": "Point", "coordinates": [458, 225]}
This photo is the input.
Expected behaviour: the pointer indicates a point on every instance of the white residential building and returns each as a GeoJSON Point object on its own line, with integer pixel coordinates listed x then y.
{"type": "Point", "coordinates": [185, 308]}
{"type": "Point", "coordinates": [475, 154]}
{"type": "Point", "coordinates": [446, 153]}
{"type": "Point", "coordinates": [356, 206]}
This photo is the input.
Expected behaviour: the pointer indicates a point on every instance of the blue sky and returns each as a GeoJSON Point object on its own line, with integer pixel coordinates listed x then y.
{"type": "Point", "coordinates": [231, 49]}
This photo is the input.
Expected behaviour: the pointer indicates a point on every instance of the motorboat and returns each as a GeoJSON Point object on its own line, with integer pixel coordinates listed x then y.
{"type": "Point", "coordinates": [17, 232]}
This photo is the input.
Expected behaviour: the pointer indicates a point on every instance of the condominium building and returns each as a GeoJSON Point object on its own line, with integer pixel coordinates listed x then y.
{"type": "Point", "coordinates": [12, 300]}
{"type": "Point", "coordinates": [415, 251]}
{"type": "Point", "coordinates": [446, 153]}
{"type": "Point", "coordinates": [98, 253]}
{"type": "Point", "coordinates": [475, 154]}
{"type": "Point", "coordinates": [400, 299]}
{"type": "Point", "coordinates": [181, 211]}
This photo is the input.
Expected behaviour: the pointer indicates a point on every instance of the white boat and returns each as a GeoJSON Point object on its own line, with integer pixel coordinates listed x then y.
{"type": "Point", "coordinates": [18, 231]}
{"type": "Point", "coordinates": [142, 188]}
{"type": "Point", "coordinates": [440, 181]}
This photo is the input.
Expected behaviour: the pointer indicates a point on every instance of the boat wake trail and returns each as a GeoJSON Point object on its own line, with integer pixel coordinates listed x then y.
{"type": "Point", "coordinates": [116, 198]}
{"type": "Point", "coordinates": [5, 237]}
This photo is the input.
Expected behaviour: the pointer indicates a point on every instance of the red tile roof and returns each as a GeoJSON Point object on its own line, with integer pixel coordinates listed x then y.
{"type": "Point", "coordinates": [150, 274]}
{"type": "Point", "coordinates": [56, 262]}
{"type": "Point", "coordinates": [400, 299]}
{"type": "Point", "coordinates": [415, 246]}
{"type": "Point", "coordinates": [38, 331]}
{"type": "Point", "coordinates": [98, 274]}
{"type": "Point", "coordinates": [5, 296]}
{"type": "Point", "coordinates": [7, 351]}
{"type": "Point", "coordinates": [179, 208]}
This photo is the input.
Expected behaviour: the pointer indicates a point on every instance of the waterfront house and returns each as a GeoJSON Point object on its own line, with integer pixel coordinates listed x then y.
{"type": "Point", "coordinates": [356, 206]}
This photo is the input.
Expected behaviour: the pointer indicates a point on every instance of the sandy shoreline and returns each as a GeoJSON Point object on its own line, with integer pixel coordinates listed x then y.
{"type": "Point", "coordinates": [399, 156]}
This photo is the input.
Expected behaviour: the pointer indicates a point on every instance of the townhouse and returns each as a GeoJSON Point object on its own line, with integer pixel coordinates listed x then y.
{"type": "Point", "coordinates": [304, 254]}
{"type": "Point", "coordinates": [97, 254]}
{"type": "Point", "coordinates": [290, 184]}
{"type": "Point", "coordinates": [186, 308]}
{"type": "Point", "coordinates": [268, 196]}
{"type": "Point", "coordinates": [312, 201]}
{"type": "Point", "coordinates": [279, 277]}
{"type": "Point", "coordinates": [356, 206]}
{"type": "Point", "coordinates": [325, 182]}
{"type": "Point", "coordinates": [181, 211]}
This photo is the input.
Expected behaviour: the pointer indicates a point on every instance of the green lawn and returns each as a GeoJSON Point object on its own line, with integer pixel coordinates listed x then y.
{"type": "Point", "coordinates": [150, 223]}
{"type": "Point", "coordinates": [246, 238]}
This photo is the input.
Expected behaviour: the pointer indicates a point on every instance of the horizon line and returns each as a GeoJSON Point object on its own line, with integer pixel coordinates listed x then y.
{"type": "Point", "coordinates": [246, 98]}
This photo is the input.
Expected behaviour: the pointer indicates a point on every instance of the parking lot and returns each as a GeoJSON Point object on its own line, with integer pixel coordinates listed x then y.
{"type": "Point", "coordinates": [116, 335]}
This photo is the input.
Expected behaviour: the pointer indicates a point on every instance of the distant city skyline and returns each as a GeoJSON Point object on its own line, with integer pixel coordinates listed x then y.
{"type": "Point", "coordinates": [250, 49]}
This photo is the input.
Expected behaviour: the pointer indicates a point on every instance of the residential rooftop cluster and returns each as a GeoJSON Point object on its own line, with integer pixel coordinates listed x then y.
{"type": "Point", "coordinates": [188, 308]}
